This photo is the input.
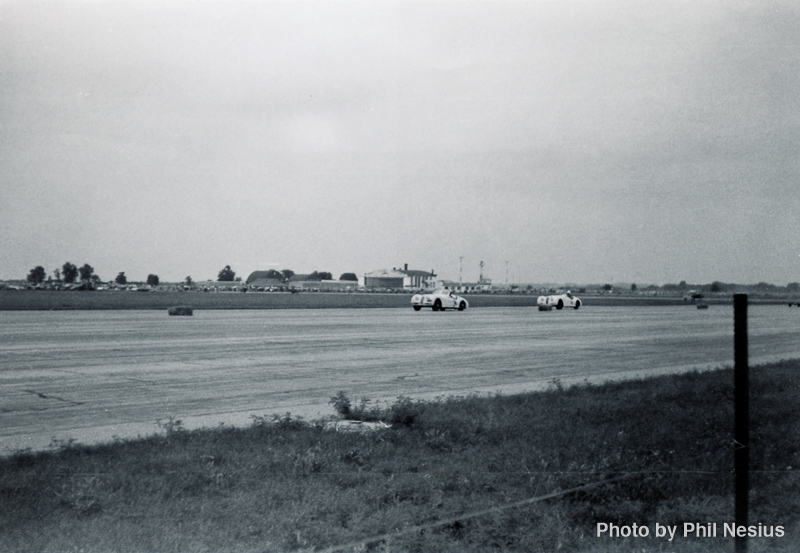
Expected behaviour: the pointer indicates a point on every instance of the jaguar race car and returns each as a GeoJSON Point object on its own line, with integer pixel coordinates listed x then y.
{"type": "Point", "coordinates": [559, 301]}
{"type": "Point", "coordinates": [439, 300]}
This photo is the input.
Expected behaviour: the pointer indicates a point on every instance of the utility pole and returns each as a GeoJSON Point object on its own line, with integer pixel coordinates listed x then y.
{"type": "Point", "coordinates": [460, 266]}
{"type": "Point", "coordinates": [481, 277]}
{"type": "Point", "coordinates": [506, 274]}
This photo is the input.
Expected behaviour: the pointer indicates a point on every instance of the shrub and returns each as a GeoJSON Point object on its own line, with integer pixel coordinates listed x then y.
{"type": "Point", "coordinates": [403, 412]}
{"type": "Point", "coordinates": [341, 403]}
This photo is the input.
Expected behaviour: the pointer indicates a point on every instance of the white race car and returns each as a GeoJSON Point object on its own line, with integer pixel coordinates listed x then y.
{"type": "Point", "coordinates": [439, 300]}
{"type": "Point", "coordinates": [559, 301]}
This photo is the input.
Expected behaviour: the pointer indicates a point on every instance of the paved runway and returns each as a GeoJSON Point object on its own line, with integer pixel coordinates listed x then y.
{"type": "Point", "coordinates": [94, 375]}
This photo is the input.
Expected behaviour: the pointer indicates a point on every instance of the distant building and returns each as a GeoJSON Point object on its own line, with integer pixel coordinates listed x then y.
{"type": "Point", "coordinates": [259, 275]}
{"type": "Point", "coordinates": [465, 287]}
{"type": "Point", "coordinates": [418, 279]}
{"type": "Point", "coordinates": [383, 278]}
{"type": "Point", "coordinates": [399, 278]}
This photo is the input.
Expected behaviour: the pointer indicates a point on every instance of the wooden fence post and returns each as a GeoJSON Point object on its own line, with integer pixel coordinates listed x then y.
{"type": "Point", "coordinates": [741, 417]}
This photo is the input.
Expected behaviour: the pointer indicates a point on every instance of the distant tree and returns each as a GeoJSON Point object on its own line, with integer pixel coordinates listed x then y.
{"type": "Point", "coordinates": [607, 287]}
{"type": "Point", "coordinates": [96, 279]}
{"type": "Point", "coordinates": [188, 281]}
{"type": "Point", "coordinates": [57, 274]}
{"type": "Point", "coordinates": [793, 286]}
{"type": "Point", "coordinates": [226, 275]}
{"type": "Point", "coordinates": [287, 274]}
{"type": "Point", "coordinates": [348, 276]}
{"type": "Point", "coordinates": [152, 280]}
{"type": "Point", "coordinates": [320, 275]}
{"type": "Point", "coordinates": [682, 285]}
{"type": "Point", "coordinates": [69, 271]}
{"type": "Point", "coordinates": [36, 276]}
{"type": "Point", "coordinates": [86, 272]}
{"type": "Point", "coordinates": [716, 286]}
{"type": "Point", "coordinates": [121, 278]}
{"type": "Point", "coordinates": [633, 287]}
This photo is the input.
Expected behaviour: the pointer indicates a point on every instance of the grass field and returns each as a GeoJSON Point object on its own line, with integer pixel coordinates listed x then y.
{"type": "Point", "coordinates": [24, 300]}
{"type": "Point", "coordinates": [289, 485]}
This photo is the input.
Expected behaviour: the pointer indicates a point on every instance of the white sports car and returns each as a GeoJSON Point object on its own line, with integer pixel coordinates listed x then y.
{"type": "Point", "coordinates": [439, 300]}
{"type": "Point", "coordinates": [559, 301]}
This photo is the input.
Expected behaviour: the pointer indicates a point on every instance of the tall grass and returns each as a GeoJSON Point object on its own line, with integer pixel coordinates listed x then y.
{"type": "Point", "coordinates": [285, 484]}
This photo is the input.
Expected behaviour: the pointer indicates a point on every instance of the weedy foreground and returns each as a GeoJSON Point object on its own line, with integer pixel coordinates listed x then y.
{"type": "Point", "coordinates": [416, 483]}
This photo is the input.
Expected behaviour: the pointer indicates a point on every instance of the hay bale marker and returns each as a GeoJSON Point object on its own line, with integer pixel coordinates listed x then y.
{"type": "Point", "coordinates": [181, 310]}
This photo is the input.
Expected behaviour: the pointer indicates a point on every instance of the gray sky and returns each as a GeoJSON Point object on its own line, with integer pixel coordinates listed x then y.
{"type": "Point", "coordinates": [582, 141]}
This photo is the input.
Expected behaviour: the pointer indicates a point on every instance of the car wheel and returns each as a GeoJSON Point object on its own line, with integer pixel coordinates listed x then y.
{"type": "Point", "coordinates": [417, 308]}
{"type": "Point", "coordinates": [560, 304]}
{"type": "Point", "coordinates": [462, 306]}
{"type": "Point", "coordinates": [577, 305]}
{"type": "Point", "coordinates": [437, 305]}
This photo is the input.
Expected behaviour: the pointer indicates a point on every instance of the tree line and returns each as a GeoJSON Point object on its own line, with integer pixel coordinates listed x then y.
{"type": "Point", "coordinates": [69, 273]}
{"type": "Point", "coordinates": [229, 275]}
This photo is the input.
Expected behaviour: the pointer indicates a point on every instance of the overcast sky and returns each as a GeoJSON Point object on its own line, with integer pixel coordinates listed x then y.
{"type": "Point", "coordinates": [579, 141]}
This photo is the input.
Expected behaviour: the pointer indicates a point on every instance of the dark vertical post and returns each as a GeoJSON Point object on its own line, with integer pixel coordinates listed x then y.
{"type": "Point", "coordinates": [741, 415]}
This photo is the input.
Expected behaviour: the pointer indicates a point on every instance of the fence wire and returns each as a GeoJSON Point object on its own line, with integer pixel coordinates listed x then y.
{"type": "Point", "coordinates": [465, 516]}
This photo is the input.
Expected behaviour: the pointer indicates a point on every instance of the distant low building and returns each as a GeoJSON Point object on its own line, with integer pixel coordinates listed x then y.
{"type": "Point", "coordinates": [260, 275]}
{"type": "Point", "coordinates": [465, 287]}
{"type": "Point", "coordinates": [399, 278]}
{"type": "Point", "coordinates": [384, 278]}
{"type": "Point", "coordinates": [418, 279]}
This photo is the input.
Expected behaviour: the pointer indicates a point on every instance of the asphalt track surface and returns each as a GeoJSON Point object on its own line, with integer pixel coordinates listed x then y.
{"type": "Point", "coordinates": [93, 376]}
